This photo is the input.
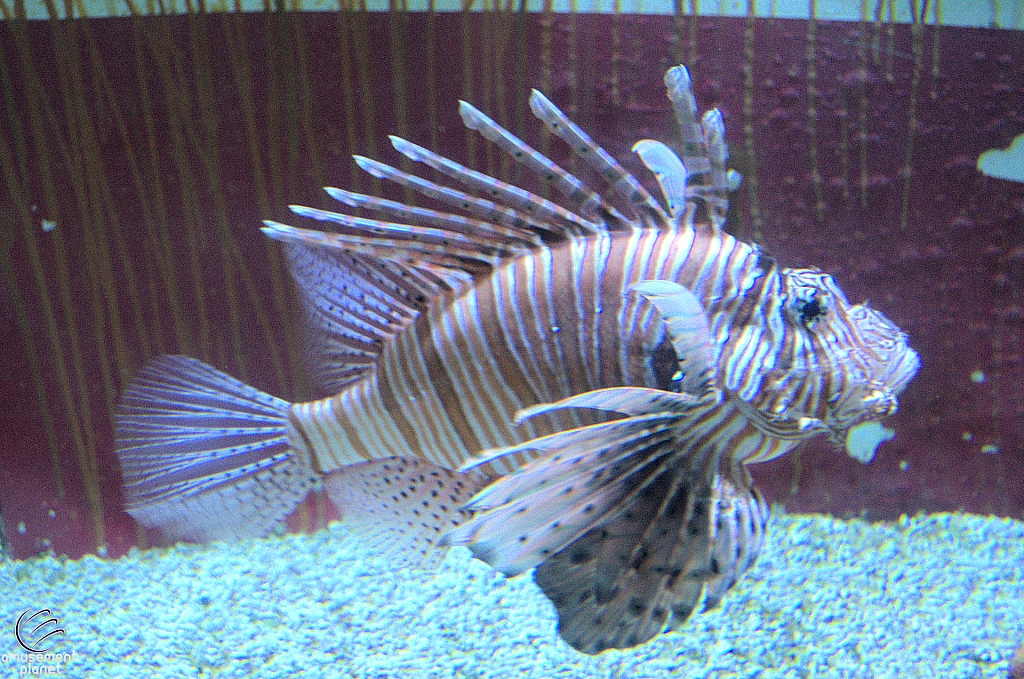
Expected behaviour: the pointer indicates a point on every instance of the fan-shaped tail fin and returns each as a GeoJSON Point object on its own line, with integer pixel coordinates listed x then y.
{"type": "Point", "coordinates": [205, 456]}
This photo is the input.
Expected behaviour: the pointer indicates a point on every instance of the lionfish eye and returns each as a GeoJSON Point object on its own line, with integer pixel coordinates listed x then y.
{"type": "Point", "coordinates": [810, 311]}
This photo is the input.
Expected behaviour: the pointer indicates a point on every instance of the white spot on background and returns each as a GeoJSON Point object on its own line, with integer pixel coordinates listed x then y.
{"type": "Point", "coordinates": [49, 225]}
{"type": "Point", "coordinates": [978, 377]}
{"type": "Point", "coordinates": [863, 440]}
{"type": "Point", "coordinates": [1004, 163]}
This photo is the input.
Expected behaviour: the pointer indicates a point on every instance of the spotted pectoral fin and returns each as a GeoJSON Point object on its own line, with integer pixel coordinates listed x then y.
{"type": "Point", "coordinates": [581, 476]}
{"type": "Point", "coordinates": [627, 521]}
{"type": "Point", "coordinates": [740, 521]}
{"type": "Point", "coordinates": [400, 507]}
{"type": "Point", "coordinates": [646, 569]}
{"type": "Point", "coordinates": [576, 478]}
{"type": "Point", "coordinates": [688, 329]}
{"type": "Point", "coordinates": [619, 584]}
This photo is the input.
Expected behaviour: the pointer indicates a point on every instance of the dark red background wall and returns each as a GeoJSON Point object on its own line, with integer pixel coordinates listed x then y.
{"type": "Point", "coordinates": [157, 144]}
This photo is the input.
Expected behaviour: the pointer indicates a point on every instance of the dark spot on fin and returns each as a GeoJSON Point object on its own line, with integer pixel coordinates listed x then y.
{"type": "Point", "coordinates": [395, 525]}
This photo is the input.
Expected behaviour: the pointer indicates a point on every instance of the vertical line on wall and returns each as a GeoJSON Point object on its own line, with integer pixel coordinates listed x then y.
{"type": "Point", "coordinates": [521, 108]}
{"type": "Point", "coordinates": [936, 28]}
{"type": "Point", "coordinates": [862, 118]}
{"type": "Point", "coordinates": [917, 43]}
{"type": "Point", "coordinates": [239, 61]}
{"type": "Point", "coordinates": [364, 53]}
{"type": "Point", "coordinates": [546, 27]}
{"type": "Point", "coordinates": [398, 24]}
{"type": "Point", "coordinates": [18, 194]}
{"type": "Point", "coordinates": [430, 42]}
{"type": "Point", "coordinates": [151, 189]}
{"type": "Point", "coordinates": [748, 119]}
{"type": "Point", "coordinates": [348, 78]}
{"type": "Point", "coordinates": [205, 146]}
{"type": "Point", "coordinates": [45, 131]}
{"type": "Point", "coordinates": [812, 111]}
{"type": "Point", "coordinates": [468, 62]}
{"type": "Point", "coordinates": [694, 11]}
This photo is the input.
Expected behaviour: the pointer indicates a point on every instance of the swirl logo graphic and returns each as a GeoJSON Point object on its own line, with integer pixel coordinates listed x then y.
{"type": "Point", "coordinates": [38, 632]}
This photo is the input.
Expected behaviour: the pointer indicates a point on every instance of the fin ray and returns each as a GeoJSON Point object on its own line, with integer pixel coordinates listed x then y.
{"type": "Point", "coordinates": [204, 456]}
{"type": "Point", "coordinates": [538, 208]}
{"type": "Point", "coordinates": [401, 507]}
{"type": "Point", "coordinates": [482, 208]}
{"type": "Point", "coordinates": [584, 201]}
{"type": "Point", "coordinates": [353, 306]}
{"type": "Point", "coordinates": [447, 221]}
{"type": "Point", "coordinates": [624, 400]}
{"type": "Point", "coordinates": [623, 183]}
{"type": "Point", "coordinates": [543, 513]}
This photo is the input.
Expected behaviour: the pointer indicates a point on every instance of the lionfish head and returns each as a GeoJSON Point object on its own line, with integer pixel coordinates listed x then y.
{"type": "Point", "coordinates": [847, 361]}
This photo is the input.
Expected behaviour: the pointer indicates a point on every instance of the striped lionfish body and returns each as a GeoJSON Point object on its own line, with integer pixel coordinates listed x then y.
{"type": "Point", "coordinates": [572, 386]}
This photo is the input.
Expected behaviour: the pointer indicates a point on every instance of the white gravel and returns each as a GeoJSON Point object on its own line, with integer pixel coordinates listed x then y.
{"type": "Point", "coordinates": [935, 596]}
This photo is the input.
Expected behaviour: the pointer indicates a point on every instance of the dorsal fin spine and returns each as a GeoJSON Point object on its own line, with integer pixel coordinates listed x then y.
{"type": "Point", "coordinates": [538, 208]}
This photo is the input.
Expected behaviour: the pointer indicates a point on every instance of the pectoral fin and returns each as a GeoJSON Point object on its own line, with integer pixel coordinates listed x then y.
{"type": "Point", "coordinates": [628, 522]}
{"type": "Point", "coordinates": [688, 329]}
{"type": "Point", "coordinates": [647, 569]}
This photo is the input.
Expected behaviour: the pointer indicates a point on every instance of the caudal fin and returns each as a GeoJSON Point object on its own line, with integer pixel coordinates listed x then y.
{"type": "Point", "coordinates": [204, 456]}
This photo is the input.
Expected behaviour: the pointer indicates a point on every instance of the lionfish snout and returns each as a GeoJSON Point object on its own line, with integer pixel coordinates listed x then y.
{"type": "Point", "coordinates": [885, 348]}
{"type": "Point", "coordinates": [878, 366]}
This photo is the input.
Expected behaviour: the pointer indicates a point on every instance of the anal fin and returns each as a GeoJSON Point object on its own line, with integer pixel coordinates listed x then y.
{"type": "Point", "coordinates": [402, 506]}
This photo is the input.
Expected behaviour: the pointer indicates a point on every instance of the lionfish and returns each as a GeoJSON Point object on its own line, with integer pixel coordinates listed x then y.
{"type": "Point", "coordinates": [574, 387]}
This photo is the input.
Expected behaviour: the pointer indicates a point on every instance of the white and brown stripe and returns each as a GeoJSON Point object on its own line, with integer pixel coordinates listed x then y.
{"type": "Point", "coordinates": [547, 325]}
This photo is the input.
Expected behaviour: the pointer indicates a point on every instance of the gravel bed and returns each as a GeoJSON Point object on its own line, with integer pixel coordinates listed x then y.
{"type": "Point", "coordinates": [933, 596]}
